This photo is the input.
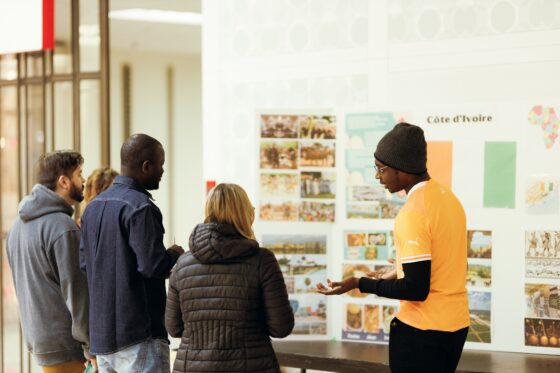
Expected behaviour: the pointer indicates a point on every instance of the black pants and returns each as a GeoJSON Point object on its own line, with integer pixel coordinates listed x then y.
{"type": "Point", "coordinates": [413, 350]}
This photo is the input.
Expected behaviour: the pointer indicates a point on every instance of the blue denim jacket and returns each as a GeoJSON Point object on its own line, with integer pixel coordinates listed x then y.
{"type": "Point", "coordinates": [122, 253]}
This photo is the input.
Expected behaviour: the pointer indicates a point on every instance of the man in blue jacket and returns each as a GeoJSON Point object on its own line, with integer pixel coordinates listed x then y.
{"type": "Point", "coordinates": [126, 263]}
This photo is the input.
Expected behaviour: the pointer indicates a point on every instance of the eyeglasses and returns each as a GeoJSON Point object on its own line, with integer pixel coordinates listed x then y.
{"type": "Point", "coordinates": [379, 170]}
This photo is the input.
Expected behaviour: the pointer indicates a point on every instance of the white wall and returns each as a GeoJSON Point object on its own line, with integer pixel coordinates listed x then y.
{"type": "Point", "coordinates": [181, 200]}
{"type": "Point", "coordinates": [358, 55]}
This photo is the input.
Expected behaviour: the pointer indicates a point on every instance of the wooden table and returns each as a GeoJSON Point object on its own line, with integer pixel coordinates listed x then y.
{"type": "Point", "coordinates": [349, 357]}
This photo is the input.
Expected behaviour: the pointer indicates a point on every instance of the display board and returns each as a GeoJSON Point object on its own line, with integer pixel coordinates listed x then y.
{"type": "Point", "coordinates": [506, 177]}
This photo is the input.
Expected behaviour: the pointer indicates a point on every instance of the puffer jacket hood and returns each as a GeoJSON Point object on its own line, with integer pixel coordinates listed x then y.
{"type": "Point", "coordinates": [42, 201]}
{"type": "Point", "coordinates": [215, 243]}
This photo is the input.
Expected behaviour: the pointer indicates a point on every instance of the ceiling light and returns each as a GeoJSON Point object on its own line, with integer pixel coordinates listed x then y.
{"type": "Point", "coordinates": [156, 15]}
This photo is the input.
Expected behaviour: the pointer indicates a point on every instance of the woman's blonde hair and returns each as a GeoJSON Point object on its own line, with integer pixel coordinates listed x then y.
{"type": "Point", "coordinates": [229, 203]}
{"type": "Point", "coordinates": [99, 180]}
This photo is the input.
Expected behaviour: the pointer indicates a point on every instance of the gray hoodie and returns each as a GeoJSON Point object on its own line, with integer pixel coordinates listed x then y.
{"type": "Point", "coordinates": [43, 250]}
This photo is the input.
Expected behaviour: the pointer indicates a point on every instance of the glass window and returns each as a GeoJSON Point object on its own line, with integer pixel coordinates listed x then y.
{"type": "Point", "coordinates": [90, 124]}
{"type": "Point", "coordinates": [9, 149]}
{"type": "Point", "coordinates": [10, 322]}
{"type": "Point", "coordinates": [62, 59]}
{"type": "Point", "coordinates": [35, 129]}
{"type": "Point", "coordinates": [34, 65]}
{"type": "Point", "coordinates": [8, 67]}
{"type": "Point", "coordinates": [90, 40]}
{"type": "Point", "coordinates": [63, 109]}
{"type": "Point", "coordinates": [9, 155]}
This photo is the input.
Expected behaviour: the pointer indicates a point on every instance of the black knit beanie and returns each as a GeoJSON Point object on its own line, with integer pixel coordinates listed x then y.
{"type": "Point", "coordinates": [403, 148]}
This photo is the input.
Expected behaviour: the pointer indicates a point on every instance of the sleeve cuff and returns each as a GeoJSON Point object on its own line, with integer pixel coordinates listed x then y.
{"type": "Point", "coordinates": [174, 255]}
{"type": "Point", "coordinates": [368, 285]}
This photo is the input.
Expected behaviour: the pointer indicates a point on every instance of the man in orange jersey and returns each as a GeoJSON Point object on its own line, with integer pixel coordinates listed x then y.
{"type": "Point", "coordinates": [429, 332]}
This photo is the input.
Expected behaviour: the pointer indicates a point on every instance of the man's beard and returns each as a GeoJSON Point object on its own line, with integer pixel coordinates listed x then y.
{"type": "Point", "coordinates": [153, 184]}
{"type": "Point", "coordinates": [77, 193]}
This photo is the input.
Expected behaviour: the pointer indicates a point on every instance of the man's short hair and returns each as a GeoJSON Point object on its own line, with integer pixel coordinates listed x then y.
{"type": "Point", "coordinates": [55, 164]}
{"type": "Point", "coordinates": [137, 149]}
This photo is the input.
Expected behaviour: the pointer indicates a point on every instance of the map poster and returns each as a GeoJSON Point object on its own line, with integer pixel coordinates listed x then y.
{"type": "Point", "coordinates": [366, 198]}
{"type": "Point", "coordinates": [541, 195]}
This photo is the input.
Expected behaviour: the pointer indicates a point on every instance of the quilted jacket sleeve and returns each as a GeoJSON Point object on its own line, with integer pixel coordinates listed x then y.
{"type": "Point", "coordinates": [278, 312]}
{"type": "Point", "coordinates": [173, 315]}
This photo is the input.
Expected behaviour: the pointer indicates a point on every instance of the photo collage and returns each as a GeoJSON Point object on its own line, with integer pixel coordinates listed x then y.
{"type": "Point", "coordinates": [479, 285]}
{"type": "Point", "coordinates": [366, 198]}
{"type": "Point", "coordinates": [542, 289]}
{"type": "Point", "coordinates": [303, 261]}
{"type": "Point", "coordinates": [297, 160]}
{"type": "Point", "coordinates": [367, 317]}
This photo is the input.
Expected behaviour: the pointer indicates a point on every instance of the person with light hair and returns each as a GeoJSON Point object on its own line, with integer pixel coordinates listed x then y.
{"type": "Point", "coordinates": [98, 181]}
{"type": "Point", "coordinates": [227, 295]}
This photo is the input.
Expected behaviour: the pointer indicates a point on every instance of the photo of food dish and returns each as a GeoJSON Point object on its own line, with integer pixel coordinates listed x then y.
{"type": "Point", "coordinates": [353, 317]}
{"type": "Point", "coordinates": [371, 318]}
{"type": "Point", "coordinates": [355, 239]}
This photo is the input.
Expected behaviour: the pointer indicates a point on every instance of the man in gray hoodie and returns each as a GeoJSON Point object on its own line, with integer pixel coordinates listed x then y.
{"type": "Point", "coordinates": [43, 251]}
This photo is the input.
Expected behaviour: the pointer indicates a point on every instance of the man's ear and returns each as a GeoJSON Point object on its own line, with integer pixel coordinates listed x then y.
{"type": "Point", "coordinates": [146, 166]}
{"type": "Point", "coordinates": [63, 182]}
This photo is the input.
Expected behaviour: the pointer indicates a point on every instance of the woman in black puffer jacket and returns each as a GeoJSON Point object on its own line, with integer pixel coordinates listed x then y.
{"type": "Point", "coordinates": [227, 296]}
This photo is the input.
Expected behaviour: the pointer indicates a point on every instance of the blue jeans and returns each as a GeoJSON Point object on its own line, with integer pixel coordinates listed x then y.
{"type": "Point", "coordinates": [151, 356]}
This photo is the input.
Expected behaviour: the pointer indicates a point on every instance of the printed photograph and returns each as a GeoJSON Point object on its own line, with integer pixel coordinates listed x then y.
{"type": "Point", "coordinates": [390, 208]}
{"type": "Point", "coordinates": [479, 244]}
{"type": "Point", "coordinates": [298, 264]}
{"type": "Point", "coordinates": [354, 317]}
{"type": "Point", "coordinates": [317, 127]}
{"type": "Point", "coordinates": [542, 332]}
{"type": "Point", "coordinates": [389, 312]}
{"type": "Point", "coordinates": [279, 126]}
{"type": "Point", "coordinates": [542, 268]}
{"type": "Point", "coordinates": [310, 313]}
{"type": "Point", "coordinates": [295, 244]}
{"type": "Point", "coordinates": [279, 155]}
{"type": "Point", "coordinates": [316, 212]}
{"type": "Point", "coordinates": [308, 283]}
{"type": "Point", "coordinates": [317, 154]}
{"type": "Point", "coordinates": [290, 283]}
{"type": "Point", "coordinates": [356, 239]}
{"type": "Point", "coordinates": [377, 239]}
{"type": "Point", "coordinates": [479, 275]}
{"type": "Point", "coordinates": [480, 306]}
{"type": "Point", "coordinates": [318, 185]}
{"type": "Point", "coordinates": [279, 185]}
{"type": "Point", "coordinates": [355, 270]}
{"type": "Point", "coordinates": [366, 193]}
{"type": "Point", "coordinates": [362, 211]}
{"type": "Point", "coordinates": [278, 211]}
{"type": "Point", "coordinates": [372, 318]}
{"type": "Point", "coordinates": [542, 301]}
{"type": "Point", "coordinates": [542, 244]}
{"type": "Point", "coordinates": [383, 268]}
